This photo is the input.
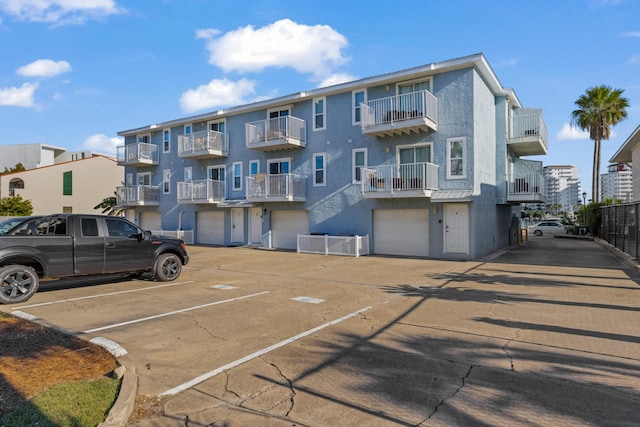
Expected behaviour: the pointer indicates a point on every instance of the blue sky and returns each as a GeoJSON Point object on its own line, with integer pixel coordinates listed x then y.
{"type": "Point", "coordinates": [74, 73]}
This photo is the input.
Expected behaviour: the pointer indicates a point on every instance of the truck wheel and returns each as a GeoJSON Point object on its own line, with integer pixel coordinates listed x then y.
{"type": "Point", "coordinates": [18, 283]}
{"type": "Point", "coordinates": [167, 267]}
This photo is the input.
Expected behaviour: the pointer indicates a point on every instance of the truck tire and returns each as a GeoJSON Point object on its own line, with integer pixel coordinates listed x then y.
{"type": "Point", "coordinates": [18, 283]}
{"type": "Point", "coordinates": [167, 267]}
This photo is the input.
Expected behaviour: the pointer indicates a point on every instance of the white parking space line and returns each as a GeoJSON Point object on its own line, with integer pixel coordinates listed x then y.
{"type": "Point", "coordinates": [309, 300]}
{"type": "Point", "coordinates": [101, 295]}
{"type": "Point", "coordinates": [258, 353]}
{"type": "Point", "coordinates": [171, 313]}
{"type": "Point", "coordinates": [225, 287]}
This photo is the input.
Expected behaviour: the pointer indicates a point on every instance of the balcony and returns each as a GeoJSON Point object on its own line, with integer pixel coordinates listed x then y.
{"type": "Point", "coordinates": [284, 187]}
{"type": "Point", "coordinates": [204, 191]}
{"type": "Point", "coordinates": [137, 195]}
{"type": "Point", "coordinates": [280, 133]}
{"type": "Point", "coordinates": [528, 136]}
{"type": "Point", "coordinates": [138, 154]}
{"type": "Point", "coordinates": [399, 181]}
{"type": "Point", "coordinates": [401, 114]}
{"type": "Point", "coordinates": [526, 188]}
{"type": "Point", "coordinates": [206, 144]}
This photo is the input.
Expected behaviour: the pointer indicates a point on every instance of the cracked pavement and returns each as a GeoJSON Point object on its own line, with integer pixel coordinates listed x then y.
{"type": "Point", "coordinates": [543, 334]}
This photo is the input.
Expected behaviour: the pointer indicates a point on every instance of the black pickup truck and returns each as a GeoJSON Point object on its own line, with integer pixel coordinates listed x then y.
{"type": "Point", "coordinates": [70, 245]}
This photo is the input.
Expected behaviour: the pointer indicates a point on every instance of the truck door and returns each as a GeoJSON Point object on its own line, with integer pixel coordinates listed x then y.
{"type": "Point", "coordinates": [123, 251]}
{"type": "Point", "coordinates": [89, 247]}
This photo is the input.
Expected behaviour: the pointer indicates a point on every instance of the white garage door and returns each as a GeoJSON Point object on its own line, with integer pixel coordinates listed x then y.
{"type": "Point", "coordinates": [150, 221]}
{"type": "Point", "coordinates": [401, 232]}
{"type": "Point", "coordinates": [210, 229]}
{"type": "Point", "coordinates": [286, 225]}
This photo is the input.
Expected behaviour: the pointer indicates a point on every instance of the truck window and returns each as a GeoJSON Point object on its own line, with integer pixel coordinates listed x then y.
{"type": "Point", "coordinates": [89, 227]}
{"type": "Point", "coordinates": [120, 228]}
{"type": "Point", "coordinates": [56, 226]}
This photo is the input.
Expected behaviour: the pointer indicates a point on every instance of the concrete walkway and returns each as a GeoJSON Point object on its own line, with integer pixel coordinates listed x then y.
{"type": "Point", "coordinates": [545, 334]}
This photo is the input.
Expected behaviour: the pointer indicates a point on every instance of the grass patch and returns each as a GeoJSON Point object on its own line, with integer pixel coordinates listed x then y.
{"type": "Point", "coordinates": [72, 404]}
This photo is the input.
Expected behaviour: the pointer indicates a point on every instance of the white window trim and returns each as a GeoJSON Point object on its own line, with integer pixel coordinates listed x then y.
{"type": "Point", "coordinates": [166, 179]}
{"type": "Point", "coordinates": [324, 113]}
{"type": "Point", "coordinates": [142, 174]}
{"type": "Point", "coordinates": [283, 159]}
{"type": "Point", "coordinates": [421, 144]}
{"type": "Point", "coordinates": [278, 109]}
{"type": "Point", "coordinates": [224, 167]}
{"type": "Point", "coordinates": [353, 106]}
{"type": "Point", "coordinates": [464, 158]}
{"type": "Point", "coordinates": [144, 135]}
{"type": "Point", "coordinates": [353, 163]}
{"type": "Point", "coordinates": [168, 148]}
{"type": "Point", "coordinates": [254, 162]}
{"type": "Point", "coordinates": [233, 170]}
{"type": "Point", "coordinates": [408, 82]}
{"type": "Point", "coordinates": [324, 169]}
{"type": "Point", "coordinates": [211, 122]}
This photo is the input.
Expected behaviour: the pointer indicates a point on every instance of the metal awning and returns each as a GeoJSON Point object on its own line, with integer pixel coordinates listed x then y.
{"type": "Point", "coordinates": [441, 196]}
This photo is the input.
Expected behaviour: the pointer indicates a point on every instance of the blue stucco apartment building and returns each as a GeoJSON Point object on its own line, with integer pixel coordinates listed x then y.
{"type": "Point", "coordinates": [426, 161]}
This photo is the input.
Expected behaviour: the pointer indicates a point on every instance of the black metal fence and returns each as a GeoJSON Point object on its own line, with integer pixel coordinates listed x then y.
{"type": "Point", "coordinates": [620, 225]}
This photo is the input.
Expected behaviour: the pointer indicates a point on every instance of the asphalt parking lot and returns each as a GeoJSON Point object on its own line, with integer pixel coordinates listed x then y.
{"type": "Point", "coordinates": [545, 334]}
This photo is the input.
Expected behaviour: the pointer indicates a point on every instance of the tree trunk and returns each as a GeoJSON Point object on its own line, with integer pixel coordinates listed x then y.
{"type": "Point", "coordinates": [595, 184]}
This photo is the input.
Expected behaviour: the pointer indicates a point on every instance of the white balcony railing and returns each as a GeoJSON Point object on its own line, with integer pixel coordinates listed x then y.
{"type": "Point", "coordinates": [139, 153]}
{"type": "Point", "coordinates": [277, 187]}
{"type": "Point", "coordinates": [137, 195]}
{"type": "Point", "coordinates": [529, 135]}
{"type": "Point", "coordinates": [276, 133]}
{"type": "Point", "coordinates": [334, 245]}
{"type": "Point", "coordinates": [414, 177]}
{"type": "Point", "coordinates": [203, 143]}
{"type": "Point", "coordinates": [202, 191]}
{"type": "Point", "coordinates": [406, 107]}
{"type": "Point", "coordinates": [526, 187]}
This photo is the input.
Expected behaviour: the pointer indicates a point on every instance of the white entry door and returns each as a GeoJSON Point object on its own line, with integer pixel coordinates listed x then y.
{"type": "Point", "coordinates": [255, 226]}
{"type": "Point", "coordinates": [456, 228]}
{"type": "Point", "coordinates": [237, 225]}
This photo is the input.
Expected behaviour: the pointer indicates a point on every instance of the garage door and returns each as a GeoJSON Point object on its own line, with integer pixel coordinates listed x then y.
{"type": "Point", "coordinates": [285, 227]}
{"type": "Point", "coordinates": [210, 230]}
{"type": "Point", "coordinates": [151, 221]}
{"type": "Point", "coordinates": [401, 232]}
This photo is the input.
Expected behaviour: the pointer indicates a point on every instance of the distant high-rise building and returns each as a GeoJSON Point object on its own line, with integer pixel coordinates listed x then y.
{"type": "Point", "coordinates": [563, 188]}
{"type": "Point", "coordinates": [617, 183]}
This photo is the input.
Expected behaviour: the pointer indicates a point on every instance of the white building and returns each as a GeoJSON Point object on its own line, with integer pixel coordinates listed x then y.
{"type": "Point", "coordinates": [617, 183]}
{"type": "Point", "coordinates": [563, 188]}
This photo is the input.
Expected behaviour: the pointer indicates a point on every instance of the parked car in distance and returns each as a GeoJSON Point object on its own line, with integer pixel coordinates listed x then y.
{"type": "Point", "coordinates": [547, 227]}
{"type": "Point", "coordinates": [12, 225]}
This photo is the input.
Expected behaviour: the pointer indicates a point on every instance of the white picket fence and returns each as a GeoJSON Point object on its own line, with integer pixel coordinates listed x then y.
{"type": "Point", "coordinates": [334, 245]}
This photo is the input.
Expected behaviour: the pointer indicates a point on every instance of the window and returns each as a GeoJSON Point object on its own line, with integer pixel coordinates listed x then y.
{"type": "Point", "coordinates": [358, 161]}
{"type": "Point", "coordinates": [413, 165]}
{"type": "Point", "coordinates": [278, 166]}
{"type": "Point", "coordinates": [237, 175]}
{"type": "Point", "coordinates": [216, 173]}
{"type": "Point", "coordinates": [89, 227]}
{"type": "Point", "coordinates": [319, 113]}
{"type": "Point", "coordinates": [218, 126]}
{"type": "Point", "coordinates": [188, 174]}
{"type": "Point", "coordinates": [67, 183]}
{"type": "Point", "coordinates": [166, 181]}
{"type": "Point", "coordinates": [128, 179]}
{"type": "Point", "coordinates": [319, 169]}
{"type": "Point", "coordinates": [414, 87]}
{"type": "Point", "coordinates": [187, 129]}
{"type": "Point", "coordinates": [166, 141]}
{"type": "Point", "coordinates": [120, 228]}
{"type": "Point", "coordinates": [414, 154]}
{"type": "Point", "coordinates": [144, 139]}
{"type": "Point", "coordinates": [254, 167]}
{"type": "Point", "coordinates": [358, 97]}
{"type": "Point", "coordinates": [144, 178]}
{"type": "Point", "coordinates": [456, 162]}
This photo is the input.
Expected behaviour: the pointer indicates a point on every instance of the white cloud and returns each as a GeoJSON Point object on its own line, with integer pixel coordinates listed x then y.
{"type": "Point", "coordinates": [315, 50]}
{"type": "Point", "coordinates": [217, 93]}
{"type": "Point", "coordinates": [631, 34]}
{"type": "Point", "coordinates": [18, 96]}
{"type": "Point", "coordinates": [337, 78]}
{"type": "Point", "coordinates": [101, 143]}
{"type": "Point", "coordinates": [60, 12]}
{"type": "Point", "coordinates": [44, 68]}
{"type": "Point", "coordinates": [569, 132]}
{"type": "Point", "coordinates": [635, 59]}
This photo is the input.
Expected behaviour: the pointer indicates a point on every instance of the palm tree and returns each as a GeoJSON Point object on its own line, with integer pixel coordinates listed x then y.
{"type": "Point", "coordinates": [599, 108]}
{"type": "Point", "coordinates": [109, 205]}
